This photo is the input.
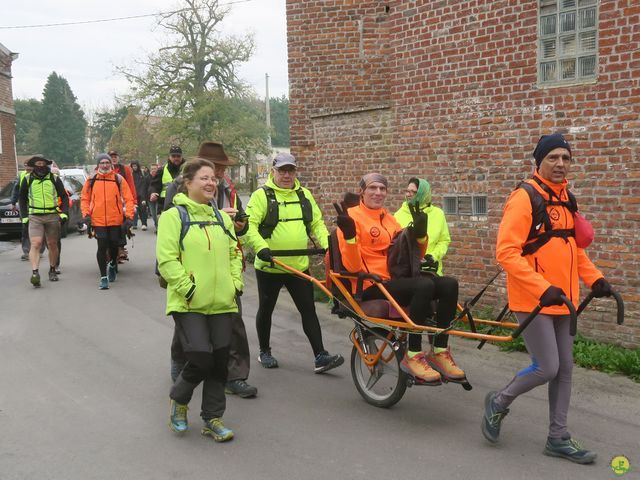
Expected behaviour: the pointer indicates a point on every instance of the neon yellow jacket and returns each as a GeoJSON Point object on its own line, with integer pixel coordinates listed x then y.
{"type": "Point", "coordinates": [286, 235]}
{"type": "Point", "coordinates": [211, 260]}
{"type": "Point", "coordinates": [437, 230]}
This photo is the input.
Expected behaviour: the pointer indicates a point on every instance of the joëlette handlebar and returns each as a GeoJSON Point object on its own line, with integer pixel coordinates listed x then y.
{"type": "Point", "coordinates": [297, 253]}
{"type": "Point", "coordinates": [573, 326]}
{"type": "Point", "coordinates": [619, 305]}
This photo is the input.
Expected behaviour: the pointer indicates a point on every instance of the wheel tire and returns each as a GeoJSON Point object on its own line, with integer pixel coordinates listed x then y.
{"type": "Point", "coordinates": [361, 374]}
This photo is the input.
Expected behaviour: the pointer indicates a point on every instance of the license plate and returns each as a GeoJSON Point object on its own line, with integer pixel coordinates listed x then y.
{"type": "Point", "coordinates": [10, 220]}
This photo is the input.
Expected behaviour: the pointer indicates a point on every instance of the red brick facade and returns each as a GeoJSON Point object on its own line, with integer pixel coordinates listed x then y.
{"type": "Point", "coordinates": [8, 169]}
{"type": "Point", "coordinates": [448, 90]}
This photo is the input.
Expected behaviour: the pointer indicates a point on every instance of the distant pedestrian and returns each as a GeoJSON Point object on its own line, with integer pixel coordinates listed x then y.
{"type": "Point", "coordinates": [153, 201]}
{"type": "Point", "coordinates": [126, 173]}
{"type": "Point", "coordinates": [15, 195]}
{"type": "Point", "coordinates": [104, 197]}
{"type": "Point", "coordinates": [39, 195]}
{"type": "Point", "coordinates": [165, 175]}
{"type": "Point", "coordinates": [142, 188]}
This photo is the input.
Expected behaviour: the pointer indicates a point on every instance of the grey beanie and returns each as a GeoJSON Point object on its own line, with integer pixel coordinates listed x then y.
{"type": "Point", "coordinates": [102, 156]}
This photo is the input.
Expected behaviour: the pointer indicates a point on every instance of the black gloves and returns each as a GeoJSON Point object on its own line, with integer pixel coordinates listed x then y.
{"type": "Point", "coordinates": [265, 255]}
{"type": "Point", "coordinates": [601, 288]}
{"type": "Point", "coordinates": [419, 221]}
{"type": "Point", "coordinates": [429, 264]}
{"type": "Point", "coordinates": [551, 296]}
{"type": "Point", "coordinates": [345, 222]}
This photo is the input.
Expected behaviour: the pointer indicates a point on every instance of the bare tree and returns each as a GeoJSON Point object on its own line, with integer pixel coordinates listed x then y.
{"type": "Point", "coordinates": [195, 61]}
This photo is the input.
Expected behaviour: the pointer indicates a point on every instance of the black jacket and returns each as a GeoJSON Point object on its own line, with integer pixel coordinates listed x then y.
{"type": "Point", "coordinates": [156, 182]}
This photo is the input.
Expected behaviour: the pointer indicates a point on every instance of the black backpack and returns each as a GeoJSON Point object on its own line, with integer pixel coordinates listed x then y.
{"type": "Point", "coordinates": [403, 255]}
{"type": "Point", "coordinates": [540, 216]}
{"type": "Point", "coordinates": [272, 217]}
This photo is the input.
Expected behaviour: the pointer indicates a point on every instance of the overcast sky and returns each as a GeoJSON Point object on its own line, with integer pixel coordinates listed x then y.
{"type": "Point", "coordinates": [86, 54]}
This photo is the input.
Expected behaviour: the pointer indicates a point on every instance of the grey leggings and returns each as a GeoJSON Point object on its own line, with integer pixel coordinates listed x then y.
{"type": "Point", "coordinates": [551, 348]}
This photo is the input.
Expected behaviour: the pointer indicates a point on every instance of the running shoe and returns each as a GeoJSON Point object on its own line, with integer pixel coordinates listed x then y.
{"type": "Point", "coordinates": [215, 428]}
{"type": "Point", "coordinates": [104, 283]}
{"type": "Point", "coordinates": [144, 228]}
{"type": "Point", "coordinates": [240, 388]}
{"type": "Point", "coordinates": [24, 257]}
{"type": "Point", "coordinates": [444, 364]}
{"type": "Point", "coordinates": [325, 362]}
{"type": "Point", "coordinates": [417, 366]}
{"type": "Point", "coordinates": [35, 279]}
{"type": "Point", "coordinates": [112, 271]}
{"type": "Point", "coordinates": [570, 449]}
{"type": "Point", "coordinates": [53, 276]}
{"type": "Point", "coordinates": [492, 419]}
{"type": "Point", "coordinates": [267, 360]}
{"type": "Point", "coordinates": [178, 417]}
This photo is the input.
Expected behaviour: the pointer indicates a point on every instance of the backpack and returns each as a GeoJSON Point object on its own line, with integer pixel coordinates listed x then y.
{"type": "Point", "coordinates": [403, 255]}
{"type": "Point", "coordinates": [186, 223]}
{"type": "Point", "coordinates": [540, 216]}
{"type": "Point", "coordinates": [118, 180]}
{"type": "Point", "coordinates": [272, 217]}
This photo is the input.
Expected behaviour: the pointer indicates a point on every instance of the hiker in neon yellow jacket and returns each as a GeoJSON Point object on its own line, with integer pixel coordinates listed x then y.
{"type": "Point", "coordinates": [437, 229]}
{"type": "Point", "coordinates": [203, 275]}
{"type": "Point", "coordinates": [282, 216]}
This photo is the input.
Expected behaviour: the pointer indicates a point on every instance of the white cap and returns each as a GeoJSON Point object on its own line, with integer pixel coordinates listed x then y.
{"type": "Point", "coordinates": [283, 159]}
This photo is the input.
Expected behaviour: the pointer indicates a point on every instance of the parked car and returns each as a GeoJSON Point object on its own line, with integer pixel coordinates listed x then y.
{"type": "Point", "coordinates": [10, 222]}
{"type": "Point", "coordinates": [9, 219]}
{"type": "Point", "coordinates": [78, 174]}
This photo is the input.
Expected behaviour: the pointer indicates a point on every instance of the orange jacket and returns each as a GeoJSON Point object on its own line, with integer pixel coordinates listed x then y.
{"type": "Point", "coordinates": [107, 203]}
{"type": "Point", "coordinates": [368, 251]}
{"type": "Point", "coordinates": [559, 262]}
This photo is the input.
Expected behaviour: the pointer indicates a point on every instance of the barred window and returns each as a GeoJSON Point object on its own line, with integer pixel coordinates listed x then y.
{"type": "Point", "coordinates": [450, 205]}
{"type": "Point", "coordinates": [567, 41]}
{"type": "Point", "coordinates": [465, 205]}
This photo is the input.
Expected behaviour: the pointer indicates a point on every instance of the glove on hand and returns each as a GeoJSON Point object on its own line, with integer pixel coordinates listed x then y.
{"type": "Point", "coordinates": [265, 255]}
{"type": "Point", "coordinates": [430, 264]}
{"type": "Point", "coordinates": [601, 288]}
{"type": "Point", "coordinates": [551, 296]}
{"type": "Point", "coordinates": [345, 222]}
{"type": "Point", "coordinates": [419, 221]}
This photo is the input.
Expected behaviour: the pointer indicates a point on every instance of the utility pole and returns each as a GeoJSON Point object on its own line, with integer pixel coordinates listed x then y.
{"type": "Point", "coordinates": [268, 109]}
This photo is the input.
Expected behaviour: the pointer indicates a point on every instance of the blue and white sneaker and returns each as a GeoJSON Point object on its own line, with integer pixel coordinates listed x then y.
{"type": "Point", "coordinates": [215, 429]}
{"type": "Point", "coordinates": [104, 283]}
{"type": "Point", "coordinates": [325, 362]}
{"type": "Point", "coordinates": [178, 417]}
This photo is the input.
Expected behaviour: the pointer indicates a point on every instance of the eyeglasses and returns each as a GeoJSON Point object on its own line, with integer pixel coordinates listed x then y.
{"type": "Point", "coordinates": [288, 170]}
{"type": "Point", "coordinates": [410, 192]}
{"type": "Point", "coordinates": [106, 162]}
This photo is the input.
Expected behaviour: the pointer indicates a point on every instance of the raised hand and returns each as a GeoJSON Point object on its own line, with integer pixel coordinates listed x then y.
{"type": "Point", "coordinates": [419, 221]}
{"type": "Point", "coordinates": [345, 222]}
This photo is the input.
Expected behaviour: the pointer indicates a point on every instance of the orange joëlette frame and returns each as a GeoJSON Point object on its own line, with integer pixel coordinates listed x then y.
{"type": "Point", "coordinates": [405, 324]}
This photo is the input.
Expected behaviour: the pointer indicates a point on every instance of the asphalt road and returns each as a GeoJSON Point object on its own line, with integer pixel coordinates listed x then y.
{"type": "Point", "coordinates": [84, 378]}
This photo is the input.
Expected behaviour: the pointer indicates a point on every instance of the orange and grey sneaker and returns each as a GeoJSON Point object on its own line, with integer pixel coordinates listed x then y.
{"type": "Point", "coordinates": [444, 363]}
{"type": "Point", "coordinates": [418, 367]}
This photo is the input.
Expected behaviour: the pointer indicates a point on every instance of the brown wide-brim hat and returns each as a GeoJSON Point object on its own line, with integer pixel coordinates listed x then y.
{"type": "Point", "coordinates": [32, 161]}
{"type": "Point", "coordinates": [214, 152]}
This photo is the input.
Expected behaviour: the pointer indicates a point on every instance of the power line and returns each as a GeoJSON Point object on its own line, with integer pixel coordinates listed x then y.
{"type": "Point", "coordinates": [117, 19]}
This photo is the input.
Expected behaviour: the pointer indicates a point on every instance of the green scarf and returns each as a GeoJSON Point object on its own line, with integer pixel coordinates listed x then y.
{"type": "Point", "coordinates": [423, 196]}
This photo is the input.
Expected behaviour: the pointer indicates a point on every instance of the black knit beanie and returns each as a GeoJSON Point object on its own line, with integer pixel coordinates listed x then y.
{"type": "Point", "coordinates": [548, 143]}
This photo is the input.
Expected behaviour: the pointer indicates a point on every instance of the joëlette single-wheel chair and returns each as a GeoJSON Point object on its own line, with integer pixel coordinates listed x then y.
{"type": "Point", "coordinates": [382, 327]}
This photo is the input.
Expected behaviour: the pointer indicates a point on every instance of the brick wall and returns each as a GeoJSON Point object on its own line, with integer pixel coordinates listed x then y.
{"type": "Point", "coordinates": [7, 123]}
{"type": "Point", "coordinates": [447, 90]}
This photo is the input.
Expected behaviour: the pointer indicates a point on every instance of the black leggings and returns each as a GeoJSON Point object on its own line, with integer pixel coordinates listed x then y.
{"type": "Point", "coordinates": [105, 245]}
{"type": "Point", "coordinates": [301, 291]}
{"type": "Point", "coordinates": [418, 294]}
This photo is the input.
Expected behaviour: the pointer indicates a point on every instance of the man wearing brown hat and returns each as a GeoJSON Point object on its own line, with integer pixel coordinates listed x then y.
{"type": "Point", "coordinates": [38, 196]}
{"type": "Point", "coordinates": [229, 201]}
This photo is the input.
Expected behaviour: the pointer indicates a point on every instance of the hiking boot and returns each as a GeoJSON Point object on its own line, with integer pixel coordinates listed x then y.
{"type": "Point", "coordinates": [215, 428]}
{"type": "Point", "coordinates": [267, 360]}
{"type": "Point", "coordinates": [35, 279]}
{"type": "Point", "coordinates": [144, 228]}
{"type": "Point", "coordinates": [570, 449]}
{"type": "Point", "coordinates": [178, 417]}
{"type": "Point", "coordinates": [492, 418]}
{"type": "Point", "coordinates": [240, 388]}
{"type": "Point", "coordinates": [112, 271]}
{"type": "Point", "coordinates": [444, 364]}
{"type": "Point", "coordinates": [104, 283]}
{"type": "Point", "coordinates": [53, 276]}
{"type": "Point", "coordinates": [325, 362]}
{"type": "Point", "coordinates": [24, 257]}
{"type": "Point", "coordinates": [176, 368]}
{"type": "Point", "coordinates": [417, 366]}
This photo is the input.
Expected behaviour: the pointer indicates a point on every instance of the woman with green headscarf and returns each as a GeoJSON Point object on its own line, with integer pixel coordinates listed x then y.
{"type": "Point", "coordinates": [445, 289]}
{"type": "Point", "coordinates": [419, 192]}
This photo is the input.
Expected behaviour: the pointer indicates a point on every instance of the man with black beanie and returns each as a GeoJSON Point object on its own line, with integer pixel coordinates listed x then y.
{"type": "Point", "coordinates": [165, 175]}
{"type": "Point", "coordinates": [544, 265]}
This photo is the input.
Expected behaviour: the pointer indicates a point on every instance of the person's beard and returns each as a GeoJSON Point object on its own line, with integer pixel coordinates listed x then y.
{"type": "Point", "coordinates": [104, 170]}
{"type": "Point", "coordinates": [41, 171]}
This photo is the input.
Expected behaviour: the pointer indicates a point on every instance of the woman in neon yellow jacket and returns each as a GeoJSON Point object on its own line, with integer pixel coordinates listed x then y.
{"type": "Point", "coordinates": [203, 271]}
{"type": "Point", "coordinates": [437, 229]}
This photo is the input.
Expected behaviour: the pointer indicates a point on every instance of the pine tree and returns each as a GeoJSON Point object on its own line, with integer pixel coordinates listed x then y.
{"type": "Point", "coordinates": [62, 123]}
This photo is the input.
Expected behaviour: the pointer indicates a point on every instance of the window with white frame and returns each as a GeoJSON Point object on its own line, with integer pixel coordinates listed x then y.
{"type": "Point", "coordinates": [567, 41]}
